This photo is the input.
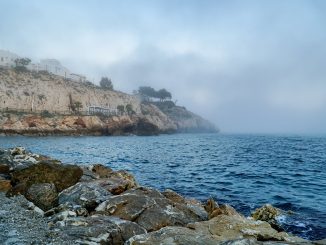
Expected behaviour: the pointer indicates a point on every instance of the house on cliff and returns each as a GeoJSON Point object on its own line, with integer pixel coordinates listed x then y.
{"type": "Point", "coordinates": [7, 59]}
{"type": "Point", "coordinates": [53, 66]}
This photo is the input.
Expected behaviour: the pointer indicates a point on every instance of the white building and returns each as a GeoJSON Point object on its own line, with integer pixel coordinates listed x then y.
{"type": "Point", "coordinates": [53, 66]}
{"type": "Point", "coordinates": [77, 77]}
{"type": "Point", "coordinates": [7, 59]}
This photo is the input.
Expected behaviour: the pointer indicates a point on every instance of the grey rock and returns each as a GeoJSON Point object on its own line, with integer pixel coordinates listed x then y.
{"type": "Point", "coordinates": [85, 194]}
{"type": "Point", "coordinates": [194, 205]}
{"type": "Point", "coordinates": [222, 230]}
{"type": "Point", "coordinates": [20, 224]}
{"type": "Point", "coordinates": [149, 208]}
{"type": "Point", "coordinates": [269, 214]}
{"type": "Point", "coordinates": [173, 235]}
{"type": "Point", "coordinates": [115, 182]}
{"type": "Point", "coordinates": [100, 229]}
{"type": "Point", "coordinates": [43, 195]}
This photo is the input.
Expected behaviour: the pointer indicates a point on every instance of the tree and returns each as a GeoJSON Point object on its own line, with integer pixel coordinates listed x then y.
{"type": "Point", "coordinates": [21, 64]}
{"type": "Point", "coordinates": [106, 83]}
{"type": "Point", "coordinates": [22, 61]}
{"type": "Point", "coordinates": [147, 92]}
{"type": "Point", "coordinates": [163, 94]}
{"type": "Point", "coordinates": [129, 109]}
{"type": "Point", "coordinates": [78, 105]}
{"type": "Point", "coordinates": [121, 109]}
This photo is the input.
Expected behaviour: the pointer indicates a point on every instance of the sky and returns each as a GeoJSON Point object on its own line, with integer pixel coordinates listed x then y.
{"type": "Point", "coordinates": [247, 66]}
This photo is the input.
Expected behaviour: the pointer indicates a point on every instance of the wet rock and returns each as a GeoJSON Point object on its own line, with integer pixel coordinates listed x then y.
{"type": "Point", "coordinates": [213, 209]}
{"type": "Point", "coordinates": [269, 214]}
{"type": "Point", "coordinates": [62, 176]}
{"type": "Point", "coordinates": [149, 208]}
{"type": "Point", "coordinates": [99, 229]}
{"type": "Point", "coordinates": [85, 194]}
{"type": "Point", "coordinates": [43, 195]}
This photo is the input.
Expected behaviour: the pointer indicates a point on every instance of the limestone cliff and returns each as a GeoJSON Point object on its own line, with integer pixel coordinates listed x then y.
{"type": "Point", "coordinates": [42, 91]}
{"type": "Point", "coordinates": [41, 104]}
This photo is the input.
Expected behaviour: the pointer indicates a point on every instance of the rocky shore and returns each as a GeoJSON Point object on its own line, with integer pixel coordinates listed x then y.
{"type": "Point", "coordinates": [46, 202]}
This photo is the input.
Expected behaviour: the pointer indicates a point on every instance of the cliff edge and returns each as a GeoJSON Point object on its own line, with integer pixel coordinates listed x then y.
{"type": "Point", "coordinates": [40, 103]}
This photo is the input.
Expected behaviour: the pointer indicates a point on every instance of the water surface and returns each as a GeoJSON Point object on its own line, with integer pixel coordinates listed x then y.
{"type": "Point", "coordinates": [246, 171]}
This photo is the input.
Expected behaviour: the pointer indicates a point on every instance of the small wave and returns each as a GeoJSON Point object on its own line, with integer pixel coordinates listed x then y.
{"type": "Point", "coordinates": [300, 224]}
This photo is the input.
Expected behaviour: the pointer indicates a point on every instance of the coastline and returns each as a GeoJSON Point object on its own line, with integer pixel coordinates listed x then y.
{"type": "Point", "coordinates": [43, 104]}
{"type": "Point", "coordinates": [70, 125]}
{"type": "Point", "coordinates": [97, 195]}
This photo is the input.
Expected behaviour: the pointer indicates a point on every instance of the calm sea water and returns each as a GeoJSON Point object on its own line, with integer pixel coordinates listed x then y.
{"type": "Point", "coordinates": [246, 171]}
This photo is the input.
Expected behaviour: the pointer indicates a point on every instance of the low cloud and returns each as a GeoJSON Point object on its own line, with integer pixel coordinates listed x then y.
{"type": "Point", "coordinates": [247, 66]}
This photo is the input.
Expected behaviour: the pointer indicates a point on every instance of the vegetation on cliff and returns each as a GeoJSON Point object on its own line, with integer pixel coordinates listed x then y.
{"type": "Point", "coordinates": [45, 104]}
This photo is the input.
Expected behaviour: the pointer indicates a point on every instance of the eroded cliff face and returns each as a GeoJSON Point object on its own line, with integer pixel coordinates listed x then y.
{"type": "Point", "coordinates": [28, 124]}
{"type": "Point", "coordinates": [38, 92]}
{"type": "Point", "coordinates": [184, 120]}
{"type": "Point", "coordinates": [24, 96]}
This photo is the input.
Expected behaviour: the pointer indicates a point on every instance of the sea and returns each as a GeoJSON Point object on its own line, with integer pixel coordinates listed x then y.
{"type": "Point", "coordinates": [245, 171]}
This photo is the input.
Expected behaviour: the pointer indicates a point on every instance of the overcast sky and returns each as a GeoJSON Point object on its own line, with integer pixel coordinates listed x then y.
{"type": "Point", "coordinates": [248, 66]}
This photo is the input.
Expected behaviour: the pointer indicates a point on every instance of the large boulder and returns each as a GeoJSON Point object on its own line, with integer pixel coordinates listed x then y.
{"type": "Point", "coordinates": [99, 229]}
{"type": "Point", "coordinates": [116, 185]}
{"type": "Point", "coordinates": [223, 229]}
{"type": "Point", "coordinates": [43, 195]}
{"type": "Point", "coordinates": [149, 208]}
{"type": "Point", "coordinates": [62, 176]}
{"type": "Point", "coordinates": [115, 182]}
{"type": "Point", "coordinates": [214, 210]}
{"type": "Point", "coordinates": [194, 205]}
{"type": "Point", "coordinates": [19, 158]}
{"type": "Point", "coordinates": [84, 194]}
{"type": "Point", "coordinates": [269, 214]}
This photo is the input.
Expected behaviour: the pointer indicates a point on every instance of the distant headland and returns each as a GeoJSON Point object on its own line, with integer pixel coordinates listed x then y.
{"type": "Point", "coordinates": [46, 98]}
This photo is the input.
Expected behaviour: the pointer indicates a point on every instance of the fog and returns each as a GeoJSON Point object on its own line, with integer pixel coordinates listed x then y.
{"type": "Point", "coordinates": [247, 66]}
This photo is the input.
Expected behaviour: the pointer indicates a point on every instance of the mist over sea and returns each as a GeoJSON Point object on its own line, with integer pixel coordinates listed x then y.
{"type": "Point", "coordinates": [245, 171]}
